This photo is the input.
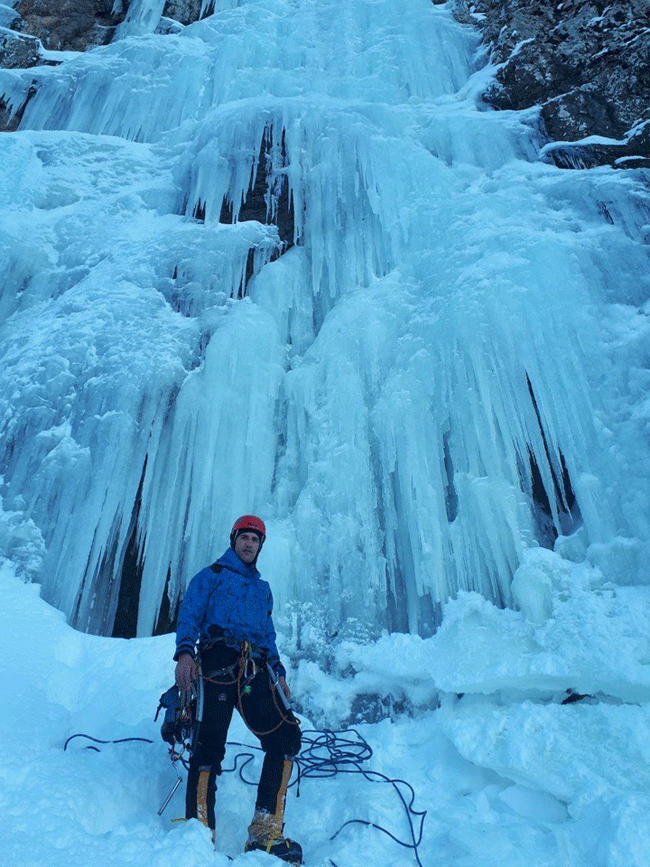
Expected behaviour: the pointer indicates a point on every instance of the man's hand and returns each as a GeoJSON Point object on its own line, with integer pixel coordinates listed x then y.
{"type": "Point", "coordinates": [185, 671]}
{"type": "Point", "coordinates": [285, 689]}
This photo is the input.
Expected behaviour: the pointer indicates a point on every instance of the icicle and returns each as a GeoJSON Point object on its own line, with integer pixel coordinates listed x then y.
{"type": "Point", "coordinates": [142, 17]}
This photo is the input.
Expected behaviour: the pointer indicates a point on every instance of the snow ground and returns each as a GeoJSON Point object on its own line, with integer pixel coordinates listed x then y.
{"type": "Point", "coordinates": [507, 774]}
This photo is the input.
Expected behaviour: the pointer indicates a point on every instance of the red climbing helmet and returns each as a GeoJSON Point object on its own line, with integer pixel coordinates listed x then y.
{"type": "Point", "coordinates": [251, 524]}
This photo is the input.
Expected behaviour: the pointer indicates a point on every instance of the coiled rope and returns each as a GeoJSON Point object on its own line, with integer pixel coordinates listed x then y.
{"type": "Point", "coordinates": [325, 754]}
{"type": "Point", "coordinates": [328, 753]}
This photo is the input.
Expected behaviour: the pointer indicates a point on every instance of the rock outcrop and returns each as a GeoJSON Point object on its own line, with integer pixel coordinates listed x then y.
{"type": "Point", "coordinates": [19, 51]}
{"type": "Point", "coordinates": [68, 25]}
{"type": "Point", "coordinates": [586, 63]}
{"type": "Point", "coordinates": [76, 25]}
{"type": "Point", "coordinates": [183, 11]}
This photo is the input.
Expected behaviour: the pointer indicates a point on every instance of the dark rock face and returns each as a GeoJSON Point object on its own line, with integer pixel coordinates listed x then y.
{"type": "Point", "coordinates": [185, 11]}
{"type": "Point", "coordinates": [18, 50]}
{"type": "Point", "coordinates": [585, 62]}
{"type": "Point", "coordinates": [68, 25]}
{"type": "Point", "coordinates": [77, 25]}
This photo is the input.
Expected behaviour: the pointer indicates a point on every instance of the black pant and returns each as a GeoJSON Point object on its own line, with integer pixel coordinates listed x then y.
{"type": "Point", "coordinates": [263, 714]}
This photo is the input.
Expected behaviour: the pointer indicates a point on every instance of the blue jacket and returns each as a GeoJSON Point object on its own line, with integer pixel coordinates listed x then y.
{"type": "Point", "coordinates": [234, 599]}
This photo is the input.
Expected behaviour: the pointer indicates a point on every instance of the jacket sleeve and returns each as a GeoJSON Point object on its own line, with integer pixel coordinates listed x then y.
{"type": "Point", "coordinates": [272, 648]}
{"type": "Point", "coordinates": [192, 612]}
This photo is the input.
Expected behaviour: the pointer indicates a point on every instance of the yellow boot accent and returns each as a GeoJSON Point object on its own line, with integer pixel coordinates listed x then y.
{"type": "Point", "coordinates": [282, 791]}
{"type": "Point", "coordinates": [202, 797]}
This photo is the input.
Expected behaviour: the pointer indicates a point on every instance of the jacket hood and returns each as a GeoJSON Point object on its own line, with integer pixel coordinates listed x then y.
{"type": "Point", "coordinates": [231, 561]}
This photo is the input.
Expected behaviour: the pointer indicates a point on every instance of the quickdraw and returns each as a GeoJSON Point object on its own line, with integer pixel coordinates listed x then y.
{"type": "Point", "coordinates": [247, 668]}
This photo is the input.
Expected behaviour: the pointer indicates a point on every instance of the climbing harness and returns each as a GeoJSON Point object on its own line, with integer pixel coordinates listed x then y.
{"type": "Point", "coordinates": [242, 673]}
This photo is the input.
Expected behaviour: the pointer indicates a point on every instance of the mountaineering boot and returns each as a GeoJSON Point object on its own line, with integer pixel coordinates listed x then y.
{"type": "Point", "coordinates": [265, 833]}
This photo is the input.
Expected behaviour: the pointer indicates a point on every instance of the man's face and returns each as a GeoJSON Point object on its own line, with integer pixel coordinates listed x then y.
{"type": "Point", "coordinates": [246, 546]}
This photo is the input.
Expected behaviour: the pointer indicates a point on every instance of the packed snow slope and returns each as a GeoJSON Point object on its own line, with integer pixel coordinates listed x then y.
{"type": "Point", "coordinates": [439, 364]}
{"type": "Point", "coordinates": [509, 776]}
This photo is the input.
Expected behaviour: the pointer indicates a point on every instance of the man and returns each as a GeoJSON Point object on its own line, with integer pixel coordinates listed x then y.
{"type": "Point", "coordinates": [227, 608]}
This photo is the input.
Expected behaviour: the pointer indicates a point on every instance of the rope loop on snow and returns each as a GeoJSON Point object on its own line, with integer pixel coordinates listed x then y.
{"type": "Point", "coordinates": [328, 753]}
{"type": "Point", "coordinates": [98, 741]}
{"type": "Point", "coordinates": [324, 754]}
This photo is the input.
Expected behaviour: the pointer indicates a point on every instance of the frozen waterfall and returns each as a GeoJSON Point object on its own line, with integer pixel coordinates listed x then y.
{"type": "Point", "coordinates": [282, 261]}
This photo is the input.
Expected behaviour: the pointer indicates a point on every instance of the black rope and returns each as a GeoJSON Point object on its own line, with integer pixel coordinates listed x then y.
{"type": "Point", "coordinates": [324, 755]}
{"type": "Point", "coordinates": [98, 741]}
{"type": "Point", "coordinates": [329, 753]}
